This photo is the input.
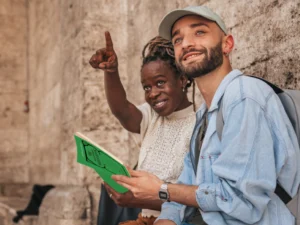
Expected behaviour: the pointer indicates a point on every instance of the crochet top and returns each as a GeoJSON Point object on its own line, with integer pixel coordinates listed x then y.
{"type": "Point", "coordinates": [163, 143]}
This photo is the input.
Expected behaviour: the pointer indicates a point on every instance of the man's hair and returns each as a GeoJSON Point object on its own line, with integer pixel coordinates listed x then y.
{"type": "Point", "coordinates": [159, 48]}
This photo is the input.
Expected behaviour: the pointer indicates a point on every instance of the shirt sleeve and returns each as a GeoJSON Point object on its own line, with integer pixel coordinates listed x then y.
{"type": "Point", "coordinates": [146, 119]}
{"type": "Point", "coordinates": [171, 210]}
{"type": "Point", "coordinates": [245, 169]}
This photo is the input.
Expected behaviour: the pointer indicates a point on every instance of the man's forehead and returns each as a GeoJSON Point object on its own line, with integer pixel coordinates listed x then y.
{"type": "Point", "coordinates": [188, 21]}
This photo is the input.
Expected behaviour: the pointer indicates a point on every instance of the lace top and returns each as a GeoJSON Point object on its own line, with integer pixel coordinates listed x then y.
{"type": "Point", "coordinates": [164, 142]}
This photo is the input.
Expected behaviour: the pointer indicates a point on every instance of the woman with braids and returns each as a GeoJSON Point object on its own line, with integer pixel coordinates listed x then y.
{"type": "Point", "coordinates": [163, 124]}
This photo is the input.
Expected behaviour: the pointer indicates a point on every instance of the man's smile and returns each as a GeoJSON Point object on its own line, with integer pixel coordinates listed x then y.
{"type": "Point", "coordinates": [191, 55]}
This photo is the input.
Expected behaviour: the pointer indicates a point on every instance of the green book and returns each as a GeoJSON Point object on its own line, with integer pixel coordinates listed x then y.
{"type": "Point", "coordinates": [102, 161]}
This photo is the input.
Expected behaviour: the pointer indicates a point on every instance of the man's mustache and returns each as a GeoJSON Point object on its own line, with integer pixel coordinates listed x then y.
{"type": "Point", "coordinates": [201, 51]}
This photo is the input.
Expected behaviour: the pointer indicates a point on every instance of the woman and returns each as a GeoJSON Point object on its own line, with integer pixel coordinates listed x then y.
{"type": "Point", "coordinates": [163, 125]}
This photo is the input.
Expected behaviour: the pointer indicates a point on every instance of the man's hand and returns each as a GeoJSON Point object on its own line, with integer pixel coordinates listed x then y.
{"type": "Point", "coordinates": [105, 58]}
{"type": "Point", "coordinates": [143, 185]}
{"type": "Point", "coordinates": [123, 200]}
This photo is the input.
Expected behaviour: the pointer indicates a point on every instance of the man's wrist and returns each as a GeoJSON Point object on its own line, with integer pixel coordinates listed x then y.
{"type": "Point", "coordinates": [163, 193]}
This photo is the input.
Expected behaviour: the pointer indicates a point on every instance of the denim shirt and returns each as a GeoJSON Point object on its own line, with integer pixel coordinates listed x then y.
{"type": "Point", "coordinates": [236, 177]}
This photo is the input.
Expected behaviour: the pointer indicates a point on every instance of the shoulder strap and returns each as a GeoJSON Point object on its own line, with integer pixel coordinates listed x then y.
{"type": "Point", "coordinates": [220, 120]}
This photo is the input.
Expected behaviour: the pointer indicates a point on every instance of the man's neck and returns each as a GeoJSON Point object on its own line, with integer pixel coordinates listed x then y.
{"type": "Point", "coordinates": [209, 83]}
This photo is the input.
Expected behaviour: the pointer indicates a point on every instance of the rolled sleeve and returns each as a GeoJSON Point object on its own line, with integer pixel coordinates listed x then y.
{"type": "Point", "coordinates": [206, 197]}
{"type": "Point", "coordinates": [171, 211]}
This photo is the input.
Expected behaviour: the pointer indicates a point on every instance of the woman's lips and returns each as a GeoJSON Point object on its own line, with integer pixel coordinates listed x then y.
{"type": "Point", "coordinates": [159, 104]}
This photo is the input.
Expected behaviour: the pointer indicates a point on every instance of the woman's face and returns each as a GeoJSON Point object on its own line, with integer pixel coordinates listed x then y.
{"type": "Point", "coordinates": [163, 90]}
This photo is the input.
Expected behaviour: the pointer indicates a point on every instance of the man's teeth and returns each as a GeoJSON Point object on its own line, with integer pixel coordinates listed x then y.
{"type": "Point", "coordinates": [192, 56]}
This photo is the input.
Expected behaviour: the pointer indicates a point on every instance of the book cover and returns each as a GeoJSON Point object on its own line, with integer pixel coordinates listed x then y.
{"type": "Point", "coordinates": [103, 162]}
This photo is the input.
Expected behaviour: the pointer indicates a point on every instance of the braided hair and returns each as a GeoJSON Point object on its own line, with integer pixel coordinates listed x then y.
{"type": "Point", "coordinates": [159, 48]}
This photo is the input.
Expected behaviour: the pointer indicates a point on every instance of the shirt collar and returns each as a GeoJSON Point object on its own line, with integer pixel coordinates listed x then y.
{"type": "Point", "coordinates": [222, 87]}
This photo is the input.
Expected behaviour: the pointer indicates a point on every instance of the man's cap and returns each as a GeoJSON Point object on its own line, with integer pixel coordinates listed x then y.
{"type": "Point", "coordinates": [168, 21]}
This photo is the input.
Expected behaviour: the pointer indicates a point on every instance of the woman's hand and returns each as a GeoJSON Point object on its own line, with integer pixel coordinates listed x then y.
{"type": "Point", "coordinates": [123, 200]}
{"type": "Point", "coordinates": [105, 58]}
{"type": "Point", "coordinates": [143, 185]}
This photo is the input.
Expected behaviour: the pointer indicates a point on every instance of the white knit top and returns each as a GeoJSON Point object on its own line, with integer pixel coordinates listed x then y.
{"type": "Point", "coordinates": [164, 142]}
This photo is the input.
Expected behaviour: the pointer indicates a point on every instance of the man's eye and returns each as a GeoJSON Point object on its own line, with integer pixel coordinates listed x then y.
{"type": "Point", "coordinates": [199, 32]}
{"type": "Point", "coordinates": [147, 88]}
{"type": "Point", "coordinates": [177, 41]}
{"type": "Point", "coordinates": [160, 83]}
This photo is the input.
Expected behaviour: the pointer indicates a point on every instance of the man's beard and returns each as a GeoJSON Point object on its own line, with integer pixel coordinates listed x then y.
{"type": "Point", "coordinates": [209, 63]}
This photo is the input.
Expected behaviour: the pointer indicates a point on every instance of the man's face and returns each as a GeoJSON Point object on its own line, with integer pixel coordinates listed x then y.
{"type": "Point", "coordinates": [198, 45]}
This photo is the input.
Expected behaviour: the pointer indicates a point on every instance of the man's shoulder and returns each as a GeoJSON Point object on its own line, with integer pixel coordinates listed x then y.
{"type": "Point", "coordinates": [248, 87]}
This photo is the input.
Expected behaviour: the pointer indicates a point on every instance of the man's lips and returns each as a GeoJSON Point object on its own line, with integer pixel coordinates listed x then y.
{"type": "Point", "coordinates": [191, 55]}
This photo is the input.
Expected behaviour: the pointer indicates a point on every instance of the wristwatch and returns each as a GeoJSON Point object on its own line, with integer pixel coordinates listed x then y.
{"type": "Point", "coordinates": [163, 193]}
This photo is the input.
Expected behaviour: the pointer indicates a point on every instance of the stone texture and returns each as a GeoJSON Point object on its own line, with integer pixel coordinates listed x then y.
{"type": "Point", "coordinates": [15, 190]}
{"type": "Point", "coordinates": [13, 92]}
{"type": "Point", "coordinates": [46, 46]}
{"type": "Point", "coordinates": [94, 191]}
{"type": "Point", "coordinates": [66, 203]}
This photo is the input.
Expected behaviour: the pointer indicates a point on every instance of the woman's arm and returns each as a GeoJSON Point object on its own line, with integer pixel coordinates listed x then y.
{"type": "Point", "coordinates": [128, 200]}
{"type": "Point", "coordinates": [127, 113]}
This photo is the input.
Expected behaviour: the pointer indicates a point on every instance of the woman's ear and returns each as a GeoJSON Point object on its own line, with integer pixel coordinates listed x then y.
{"type": "Point", "coordinates": [228, 44]}
{"type": "Point", "coordinates": [183, 80]}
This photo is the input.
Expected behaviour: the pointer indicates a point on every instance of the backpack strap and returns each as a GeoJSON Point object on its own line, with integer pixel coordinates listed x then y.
{"type": "Point", "coordinates": [220, 120]}
{"type": "Point", "coordinates": [282, 194]}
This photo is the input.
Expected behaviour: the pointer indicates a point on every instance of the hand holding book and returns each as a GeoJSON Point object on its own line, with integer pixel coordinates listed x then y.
{"type": "Point", "coordinates": [103, 162]}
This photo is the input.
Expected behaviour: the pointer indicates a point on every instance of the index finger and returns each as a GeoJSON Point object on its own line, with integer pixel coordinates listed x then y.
{"type": "Point", "coordinates": [108, 40]}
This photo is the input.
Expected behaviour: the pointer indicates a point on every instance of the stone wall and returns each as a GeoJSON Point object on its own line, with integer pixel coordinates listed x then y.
{"type": "Point", "coordinates": [46, 48]}
{"type": "Point", "coordinates": [13, 92]}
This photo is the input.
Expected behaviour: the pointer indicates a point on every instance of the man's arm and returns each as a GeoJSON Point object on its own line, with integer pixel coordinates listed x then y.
{"type": "Point", "coordinates": [243, 176]}
{"type": "Point", "coordinates": [127, 113]}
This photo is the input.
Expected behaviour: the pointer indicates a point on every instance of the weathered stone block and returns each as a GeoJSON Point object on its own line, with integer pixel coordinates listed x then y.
{"type": "Point", "coordinates": [66, 203]}
{"type": "Point", "coordinates": [94, 191]}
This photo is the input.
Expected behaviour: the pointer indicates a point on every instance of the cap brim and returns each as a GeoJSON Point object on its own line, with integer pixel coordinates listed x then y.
{"type": "Point", "coordinates": [168, 21]}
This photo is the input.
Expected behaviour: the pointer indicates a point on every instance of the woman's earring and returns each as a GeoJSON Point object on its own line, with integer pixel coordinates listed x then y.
{"type": "Point", "coordinates": [183, 89]}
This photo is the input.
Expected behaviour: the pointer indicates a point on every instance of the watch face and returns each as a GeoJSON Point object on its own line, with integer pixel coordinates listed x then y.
{"type": "Point", "coordinates": [163, 195]}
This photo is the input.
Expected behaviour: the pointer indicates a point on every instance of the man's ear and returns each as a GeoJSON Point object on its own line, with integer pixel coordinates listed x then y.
{"type": "Point", "coordinates": [228, 44]}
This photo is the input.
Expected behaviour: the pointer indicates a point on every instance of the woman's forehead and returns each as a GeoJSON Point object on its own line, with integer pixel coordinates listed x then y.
{"type": "Point", "coordinates": [154, 69]}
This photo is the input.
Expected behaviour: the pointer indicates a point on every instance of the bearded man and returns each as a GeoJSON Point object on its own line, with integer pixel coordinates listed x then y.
{"type": "Point", "coordinates": [228, 179]}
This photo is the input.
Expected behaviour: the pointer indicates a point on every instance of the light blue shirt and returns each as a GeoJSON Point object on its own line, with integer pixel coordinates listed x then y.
{"type": "Point", "coordinates": [236, 177]}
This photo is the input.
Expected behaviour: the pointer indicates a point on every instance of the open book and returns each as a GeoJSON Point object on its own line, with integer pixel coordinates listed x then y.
{"type": "Point", "coordinates": [102, 161]}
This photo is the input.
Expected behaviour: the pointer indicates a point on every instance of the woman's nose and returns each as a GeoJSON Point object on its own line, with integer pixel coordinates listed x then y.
{"type": "Point", "coordinates": [154, 93]}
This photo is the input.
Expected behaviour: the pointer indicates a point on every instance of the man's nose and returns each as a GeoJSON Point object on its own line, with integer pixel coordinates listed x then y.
{"type": "Point", "coordinates": [188, 41]}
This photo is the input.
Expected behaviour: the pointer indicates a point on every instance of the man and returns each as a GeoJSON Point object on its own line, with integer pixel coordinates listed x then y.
{"type": "Point", "coordinates": [236, 176]}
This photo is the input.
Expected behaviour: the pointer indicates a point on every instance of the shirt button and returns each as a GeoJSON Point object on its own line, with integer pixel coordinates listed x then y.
{"type": "Point", "coordinates": [206, 192]}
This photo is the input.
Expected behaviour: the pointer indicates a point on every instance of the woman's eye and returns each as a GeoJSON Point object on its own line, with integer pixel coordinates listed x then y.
{"type": "Point", "coordinates": [160, 83]}
{"type": "Point", "coordinates": [147, 88]}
